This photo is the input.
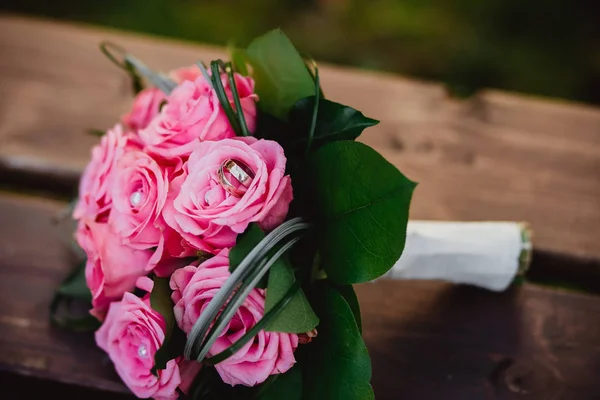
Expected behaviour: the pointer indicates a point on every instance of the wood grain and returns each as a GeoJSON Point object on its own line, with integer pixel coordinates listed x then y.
{"type": "Point", "coordinates": [34, 258]}
{"type": "Point", "coordinates": [497, 156]}
{"type": "Point", "coordinates": [428, 340]}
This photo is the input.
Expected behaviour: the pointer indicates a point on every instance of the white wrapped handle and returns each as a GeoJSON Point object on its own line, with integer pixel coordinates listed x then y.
{"type": "Point", "coordinates": [484, 254]}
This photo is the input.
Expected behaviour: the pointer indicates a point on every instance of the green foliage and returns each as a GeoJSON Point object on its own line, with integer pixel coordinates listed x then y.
{"type": "Point", "coordinates": [279, 72]}
{"type": "Point", "coordinates": [286, 386]}
{"type": "Point", "coordinates": [244, 245]}
{"type": "Point", "coordinates": [73, 293]}
{"type": "Point", "coordinates": [239, 60]}
{"type": "Point", "coordinates": [347, 292]}
{"type": "Point", "coordinates": [208, 385]}
{"type": "Point", "coordinates": [334, 121]}
{"type": "Point", "coordinates": [75, 285]}
{"type": "Point", "coordinates": [172, 347]}
{"type": "Point", "coordinates": [337, 365]}
{"type": "Point", "coordinates": [298, 316]}
{"type": "Point", "coordinates": [362, 204]}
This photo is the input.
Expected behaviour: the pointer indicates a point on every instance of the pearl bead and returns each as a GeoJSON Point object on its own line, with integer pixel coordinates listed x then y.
{"type": "Point", "coordinates": [142, 352]}
{"type": "Point", "coordinates": [136, 198]}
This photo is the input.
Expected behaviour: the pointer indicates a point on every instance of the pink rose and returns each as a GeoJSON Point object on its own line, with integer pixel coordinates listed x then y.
{"type": "Point", "coordinates": [147, 103]}
{"type": "Point", "coordinates": [192, 114]}
{"type": "Point", "coordinates": [139, 193]}
{"type": "Point", "coordinates": [269, 353]}
{"type": "Point", "coordinates": [94, 201]}
{"type": "Point", "coordinates": [206, 214]}
{"type": "Point", "coordinates": [112, 268]}
{"type": "Point", "coordinates": [146, 106]}
{"type": "Point", "coordinates": [131, 335]}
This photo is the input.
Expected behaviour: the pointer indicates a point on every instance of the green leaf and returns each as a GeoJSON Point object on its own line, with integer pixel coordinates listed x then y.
{"type": "Point", "coordinates": [70, 305]}
{"type": "Point", "coordinates": [348, 293]}
{"type": "Point", "coordinates": [286, 386]}
{"type": "Point", "coordinates": [160, 300]}
{"type": "Point", "coordinates": [362, 203]}
{"type": "Point", "coordinates": [244, 244]}
{"type": "Point", "coordinates": [62, 316]}
{"type": "Point", "coordinates": [172, 346]}
{"type": "Point", "coordinates": [208, 385]}
{"type": "Point", "coordinates": [298, 316]}
{"type": "Point", "coordinates": [280, 73]}
{"type": "Point", "coordinates": [315, 112]}
{"type": "Point", "coordinates": [337, 364]}
{"type": "Point", "coordinates": [239, 60]}
{"type": "Point", "coordinates": [75, 285]}
{"type": "Point", "coordinates": [334, 121]}
{"type": "Point", "coordinates": [96, 132]}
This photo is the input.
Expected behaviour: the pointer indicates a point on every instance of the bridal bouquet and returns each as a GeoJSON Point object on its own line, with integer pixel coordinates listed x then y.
{"type": "Point", "coordinates": [224, 221]}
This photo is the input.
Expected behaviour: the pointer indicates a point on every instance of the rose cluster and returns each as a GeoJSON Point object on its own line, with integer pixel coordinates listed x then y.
{"type": "Point", "coordinates": [170, 182]}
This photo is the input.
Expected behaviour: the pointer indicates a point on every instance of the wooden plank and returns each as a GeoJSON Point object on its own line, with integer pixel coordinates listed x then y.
{"type": "Point", "coordinates": [434, 341]}
{"type": "Point", "coordinates": [428, 340]}
{"type": "Point", "coordinates": [495, 157]}
{"type": "Point", "coordinates": [22, 387]}
{"type": "Point", "coordinates": [34, 258]}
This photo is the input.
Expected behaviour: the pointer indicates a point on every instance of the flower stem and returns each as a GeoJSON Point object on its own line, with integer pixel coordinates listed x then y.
{"type": "Point", "coordinates": [313, 124]}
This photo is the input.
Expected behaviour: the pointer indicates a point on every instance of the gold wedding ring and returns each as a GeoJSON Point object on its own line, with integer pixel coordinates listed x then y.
{"type": "Point", "coordinates": [240, 171]}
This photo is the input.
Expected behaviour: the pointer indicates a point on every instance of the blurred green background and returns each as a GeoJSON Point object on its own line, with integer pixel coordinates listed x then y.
{"type": "Point", "coordinates": [543, 47]}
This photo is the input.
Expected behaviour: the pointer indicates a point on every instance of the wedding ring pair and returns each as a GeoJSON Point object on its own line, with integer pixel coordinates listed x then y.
{"type": "Point", "coordinates": [240, 171]}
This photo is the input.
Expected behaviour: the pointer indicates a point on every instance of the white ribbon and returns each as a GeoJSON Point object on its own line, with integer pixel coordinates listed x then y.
{"type": "Point", "coordinates": [484, 254]}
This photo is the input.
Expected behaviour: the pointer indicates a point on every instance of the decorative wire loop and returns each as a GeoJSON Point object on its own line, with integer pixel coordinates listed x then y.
{"type": "Point", "coordinates": [205, 73]}
{"type": "Point", "coordinates": [163, 83]}
{"type": "Point", "coordinates": [238, 286]}
{"type": "Point", "coordinates": [115, 53]}
{"type": "Point", "coordinates": [120, 57]}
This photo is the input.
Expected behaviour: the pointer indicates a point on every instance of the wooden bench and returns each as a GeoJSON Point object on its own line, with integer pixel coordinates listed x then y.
{"type": "Point", "coordinates": [496, 156]}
